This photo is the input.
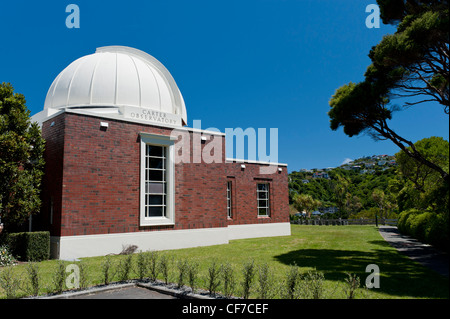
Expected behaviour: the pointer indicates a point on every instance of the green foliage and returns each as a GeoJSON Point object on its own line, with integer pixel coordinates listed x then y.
{"type": "Point", "coordinates": [107, 269]}
{"type": "Point", "coordinates": [213, 277]}
{"type": "Point", "coordinates": [350, 191]}
{"type": "Point", "coordinates": [228, 279]}
{"type": "Point", "coordinates": [59, 277]}
{"type": "Point", "coordinates": [124, 267]}
{"type": "Point", "coordinates": [9, 281]}
{"type": "Point", "coordinates": [21, 159]}
{"type": "Point", "coordinates": [412, 64]}
{"type": "Point", "coordinates": [428, 227]}
{"type": "Point", "coordinates": [34, 279]}
{"type": "Point", "coordinates": [248, 274]}
{"type": "Point", "coordinates": [34, 246]}
{"type": "Point", "coordinates": [6, 258]}
{"type": "Point", "coordinates": [192, 273]}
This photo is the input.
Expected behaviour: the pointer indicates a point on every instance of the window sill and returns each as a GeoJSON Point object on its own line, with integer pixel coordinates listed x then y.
{"type": "Point", "coordinates": [156, 221]}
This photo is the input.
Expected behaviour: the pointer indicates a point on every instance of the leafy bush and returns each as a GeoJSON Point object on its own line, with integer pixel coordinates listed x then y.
{"type": "Point", "coordinates": [248, 273]}
{"type": "Point", "coordinates": [34, 246]}
{"type": "Point", "coordinates": [428, 227]}
{"type": "Point", "coordinates": [213, 277]}
{"type": "Point", "coordinates": [34, 279]}
{"type": "Point", "coordinates": [420, 224]}
{"type": "Point", "coordinates": [10, 282]}
{"type": "Point", "coordinates": [107, 267]}
{"type": "Point", "coordinates": [124, 267]}
{"type": "Point", "coordinates": [193, 270]}
{"type": "Point", "coordinates": [403, 223]}
{"type": "Point", "coordinates": [59, 276]}
{"type": "Point", "coordinates": [229, 281]}
{"type": "Point", "coordinates": [6, 258]}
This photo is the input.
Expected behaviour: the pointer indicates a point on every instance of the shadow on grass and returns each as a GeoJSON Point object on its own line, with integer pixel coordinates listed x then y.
{"type": "Point", "coordinates": [399, 276]}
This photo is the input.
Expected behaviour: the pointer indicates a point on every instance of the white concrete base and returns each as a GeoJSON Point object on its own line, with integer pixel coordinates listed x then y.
{"type": "Point", "coordinates": [258, 230]}
{"type": "Point", "coordinates": [73, 247]}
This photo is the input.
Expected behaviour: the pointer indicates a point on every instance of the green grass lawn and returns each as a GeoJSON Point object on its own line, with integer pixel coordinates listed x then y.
{"type": "Point", "coordinates": [332, 250]}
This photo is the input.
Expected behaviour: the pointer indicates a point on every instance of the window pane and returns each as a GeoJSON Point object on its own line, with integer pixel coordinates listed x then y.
{"type": "Point", "coordinates": [155, 175]}
{"type": "Point", "coordinates": [263, 203]}
{"type": "Point", "coordinates": [155, 188]}
{"type": "Point", "coordinates": [263, 195]}
{"type": "Point", "coordinates": [262, 211]}
{"type": "Point", "coordinates": [154, 150]}
{"type": "Point", "coordinates": [262, 187]}
{"type": "Point", "coordinates": [155, 162]}
{"type": "Point", "coordinates": [155, 200]}
{"type": "Point", "coordinates": [155, 211]}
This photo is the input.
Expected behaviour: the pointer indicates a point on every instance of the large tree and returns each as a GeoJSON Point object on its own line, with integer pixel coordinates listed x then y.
{"type": "Point", "coordinates": [21, 159]}
{"type": "Point", "coordinates": [306, 203]}
{"type": "Point", "coordinates": [411, 64]}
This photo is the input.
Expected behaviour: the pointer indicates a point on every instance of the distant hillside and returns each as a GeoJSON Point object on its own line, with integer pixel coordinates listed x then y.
{"type": "Point", "coordinates": [348, 187]}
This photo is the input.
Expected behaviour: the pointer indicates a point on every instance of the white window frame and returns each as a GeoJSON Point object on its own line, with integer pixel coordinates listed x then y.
{"type": "Point", "coordinates": [168, 143]}
{"type": "Point", "coordinates": [266, 208]}
{"type": "Point", "coordinates": [229, 199]}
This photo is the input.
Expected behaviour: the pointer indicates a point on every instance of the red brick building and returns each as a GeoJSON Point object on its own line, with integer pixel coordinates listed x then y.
{"type": "Point", "coordinates": [122, 168]}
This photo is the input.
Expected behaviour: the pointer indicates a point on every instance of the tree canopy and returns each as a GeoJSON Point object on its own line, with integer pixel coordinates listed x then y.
{"type": "Point", "coordinates": [411, 64]}
{"type": "Point", "coordinates": [21, 159]}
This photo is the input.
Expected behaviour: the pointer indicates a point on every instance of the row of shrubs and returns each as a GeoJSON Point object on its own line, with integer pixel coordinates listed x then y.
{"type": "Point", "coordinates": [427, 227]}
{"type": "Point", "coordinates": [220, 280]}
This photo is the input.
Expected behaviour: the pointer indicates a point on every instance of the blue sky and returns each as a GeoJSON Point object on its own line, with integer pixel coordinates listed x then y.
{"type": "Point", "coordinates": [261, 64]}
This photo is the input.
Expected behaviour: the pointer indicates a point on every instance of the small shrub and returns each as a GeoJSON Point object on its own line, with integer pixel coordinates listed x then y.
{"type": "Point", "coordinates": [124, 267]}
{"type": "Point", "coordinates": [141, 265]}
{"type": "Point", "coordinates": [193, 269]}
{"type": "Point", "coordinates": [33, 279]}
{"type": "Point", "coordinates": [229, 281]}
{"type": "Point", "coordinates": [183, 268]}
{"type": "Point", "coordinates": [9, 282]}
{"type": "Point", "coordinates": [6, 258]}
{"type": "Point", "coordinates": [107, 270]}
{"type": "Point", "coordinates": [248, 273]}
{"type": "Point", "coordinates": [164, 267]}
{"type": "Point", "coordinates": [351, 285]}
{"type": "Point", "coordinates": [59, 277]}
{"type": "Point", "coordinates": [313, 285]}
{"type": "Point", "coordinates": [213, 279]}
{"type": "Point", "coordinates": [265, 282]}
{"type": "Point", "coordinates": [289, 288]}
{"type": "Point", "coordinates": [84, 275]}
{"type": "Point", "coordinates": [153, 268]}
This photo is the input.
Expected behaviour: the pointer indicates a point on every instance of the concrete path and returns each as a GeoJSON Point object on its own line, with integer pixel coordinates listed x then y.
{"type": "Point", "coordinates": [133, 292]}
{"type": "Point", "coordinates": [422, 253]}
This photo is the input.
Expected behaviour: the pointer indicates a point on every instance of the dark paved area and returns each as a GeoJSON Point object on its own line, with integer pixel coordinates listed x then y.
{"type": "Point", "coordinates": [422, 253]}
{"type": "Point", "coordinates": [133, 292]}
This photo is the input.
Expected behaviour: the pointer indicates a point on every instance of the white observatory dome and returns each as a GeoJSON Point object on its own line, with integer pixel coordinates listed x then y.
{"type": "Point", "coordinates": [116, 76]}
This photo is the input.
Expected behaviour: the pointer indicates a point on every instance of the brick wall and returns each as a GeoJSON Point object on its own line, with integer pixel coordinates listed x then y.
{"type": "Point", "coordinates": [244, 195]}
{"type": "Point", "coordinates": [92, 177]}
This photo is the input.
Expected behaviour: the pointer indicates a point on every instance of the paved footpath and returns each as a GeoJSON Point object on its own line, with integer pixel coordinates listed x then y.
{"type": "Point", "coordinates": [422, 253]}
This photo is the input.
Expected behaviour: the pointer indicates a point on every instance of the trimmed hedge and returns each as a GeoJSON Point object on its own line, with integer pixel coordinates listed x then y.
{"type": "Point", "coordinates": [34, 246]}
{"type": "Point", "coordinates": [428, 227]}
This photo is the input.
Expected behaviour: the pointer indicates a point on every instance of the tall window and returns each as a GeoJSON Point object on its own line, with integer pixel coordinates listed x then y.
{"type": "Point", "coordinates": [155, 181]}
{"type": "Point", "coordinates": [262, 195]}
{"type": "Point", "coordinates": [229, 202]}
